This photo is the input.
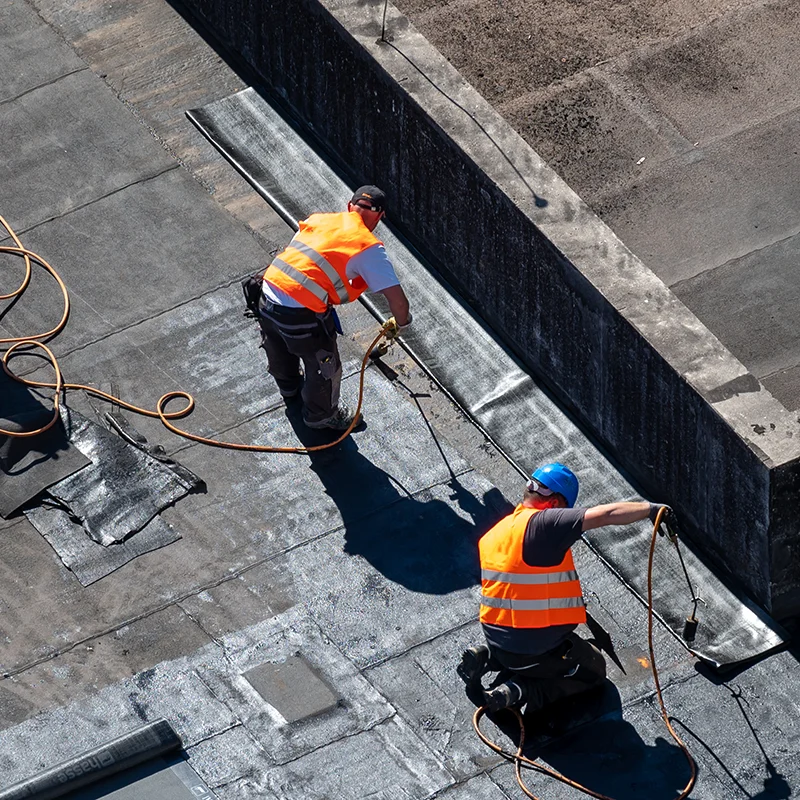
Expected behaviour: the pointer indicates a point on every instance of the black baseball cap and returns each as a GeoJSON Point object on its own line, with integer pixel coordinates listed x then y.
{"type": "Point", "coordinates": [372, 195]}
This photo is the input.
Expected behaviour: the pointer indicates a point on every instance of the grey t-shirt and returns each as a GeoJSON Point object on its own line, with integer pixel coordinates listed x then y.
{"type": "Point", "coordinates": [550, 534]}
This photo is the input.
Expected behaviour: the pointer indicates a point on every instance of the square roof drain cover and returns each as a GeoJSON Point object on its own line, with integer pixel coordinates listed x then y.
{"type": "Point", "coordinates": [293, 688]}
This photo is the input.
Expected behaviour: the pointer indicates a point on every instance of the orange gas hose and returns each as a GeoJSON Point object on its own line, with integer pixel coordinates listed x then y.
{"type": "Point", "coordinates": [522, 762]}
{"type": "Point", "coordinates": [160, 411]}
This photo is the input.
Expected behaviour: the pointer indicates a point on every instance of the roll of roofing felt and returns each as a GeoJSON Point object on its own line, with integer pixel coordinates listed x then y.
{"type": "Point", "coordinates": [127, 751]}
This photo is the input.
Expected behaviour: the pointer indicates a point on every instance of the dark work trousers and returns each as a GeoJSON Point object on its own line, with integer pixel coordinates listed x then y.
{"type": "Point", "coordinates": [292, 335]}
{"type": "Point", "coordinates": [546, 678]}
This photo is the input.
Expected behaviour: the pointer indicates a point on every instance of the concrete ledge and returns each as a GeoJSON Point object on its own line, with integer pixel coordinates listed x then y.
{"type": "Point", "coordinates": [671, 404]}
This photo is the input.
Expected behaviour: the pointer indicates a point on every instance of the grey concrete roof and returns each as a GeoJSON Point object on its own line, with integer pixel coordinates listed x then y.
{"type": "Point", "coordinates": [678, 123]}
{"type": "Point", "coordinates": [283, 557]}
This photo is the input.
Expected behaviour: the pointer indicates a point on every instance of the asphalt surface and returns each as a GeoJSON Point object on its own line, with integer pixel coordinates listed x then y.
{"type": "Point", "coordinates": [356, 567]}
{"type": "Point", "coordinates": [677, 122]}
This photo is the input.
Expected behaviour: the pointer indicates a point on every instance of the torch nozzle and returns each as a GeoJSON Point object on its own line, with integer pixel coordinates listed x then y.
{"type": "Point", "coordinates": [690, 628]}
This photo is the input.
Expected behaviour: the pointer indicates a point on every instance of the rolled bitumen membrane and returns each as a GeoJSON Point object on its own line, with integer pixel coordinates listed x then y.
{"type": "Point", "coordinates": [484, 378]}
{"type": "Point", "coordinates": [126, 751]}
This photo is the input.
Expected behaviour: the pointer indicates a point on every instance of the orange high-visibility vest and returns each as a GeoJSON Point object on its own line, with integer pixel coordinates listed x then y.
{"type": "Point", "coordinates": [516, 595]}
{"type": "Point", "coordinates": [312, 268]}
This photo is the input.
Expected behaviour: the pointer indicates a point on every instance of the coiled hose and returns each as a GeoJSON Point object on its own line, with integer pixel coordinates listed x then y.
{"type": "Point", "coordinates": [160, 411]}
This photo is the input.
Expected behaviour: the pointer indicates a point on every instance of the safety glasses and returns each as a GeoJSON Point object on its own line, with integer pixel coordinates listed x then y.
{"type": "Point", "coordinates": [539, 488]}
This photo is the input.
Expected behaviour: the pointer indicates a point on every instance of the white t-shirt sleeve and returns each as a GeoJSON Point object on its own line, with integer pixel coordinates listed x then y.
{"type": "Point", "coordinates": [374, 267]}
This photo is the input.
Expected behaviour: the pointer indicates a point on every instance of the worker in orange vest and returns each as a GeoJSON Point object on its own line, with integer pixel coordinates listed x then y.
{"type": "Point", "coordinates": [332, 259]}
{"type": "Point", "coordinates": [531, 597]}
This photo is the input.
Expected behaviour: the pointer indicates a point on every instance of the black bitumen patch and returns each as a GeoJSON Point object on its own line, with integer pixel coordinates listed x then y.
{"type": "Point", "coordinates": [30, 464]}
{"type": "Point", "coordinates": [121, 490]}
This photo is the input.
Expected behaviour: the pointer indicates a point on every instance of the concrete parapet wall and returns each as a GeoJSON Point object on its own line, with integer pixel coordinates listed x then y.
{"type": "Point", "coordinates": [661, 393]}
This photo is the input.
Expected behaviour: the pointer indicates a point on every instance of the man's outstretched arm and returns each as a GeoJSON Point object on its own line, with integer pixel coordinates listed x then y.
{"type": "Point", "coordinates": [620, 514]}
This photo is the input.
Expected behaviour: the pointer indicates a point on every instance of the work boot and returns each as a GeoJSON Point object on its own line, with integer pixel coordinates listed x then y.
{"type": "Point", "coordinates": [505, 695]}
{"type": "Point", "coordinates": [338, 421]}
{"type": "Point", "coordinates": [474, 665]}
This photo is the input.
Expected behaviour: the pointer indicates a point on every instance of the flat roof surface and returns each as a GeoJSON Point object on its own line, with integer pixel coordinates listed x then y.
{"type": "Point", "coordinates": [678, 123]}
{"type": "Point", "coordinates": [360, 562]}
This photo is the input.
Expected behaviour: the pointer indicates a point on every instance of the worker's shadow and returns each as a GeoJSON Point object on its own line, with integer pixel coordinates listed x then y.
{"type": "Point", "coordinates": [595, 747]}
{"type": "Point", "coordinates": [421, 542]}
{"type": "Point", "coordinates": [775, 784]}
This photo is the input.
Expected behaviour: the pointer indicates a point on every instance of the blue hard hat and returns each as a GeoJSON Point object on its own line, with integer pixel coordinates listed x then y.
{"type": "Point", "coordinates": [558, 478]}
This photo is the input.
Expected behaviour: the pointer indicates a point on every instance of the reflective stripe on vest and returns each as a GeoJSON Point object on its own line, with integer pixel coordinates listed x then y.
{"type": "Point", "coordinates": [312, 269]}
{"type": "Point", "coordinates": [332, 275]}
{"type": "Point", "coordinates": [516, 595]}
{"type": "Point", "coordinates": [523, 578]}
{"type": "Point", "coordinates": [531, 605]}
{"type": "Point", "coordinates": [301, 278]}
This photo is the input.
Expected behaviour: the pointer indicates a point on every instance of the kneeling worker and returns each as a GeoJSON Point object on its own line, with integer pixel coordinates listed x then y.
{"type": "Point", "coordinates": [332, 259]}
{"type": "Point", "coordinates": [531, 598]}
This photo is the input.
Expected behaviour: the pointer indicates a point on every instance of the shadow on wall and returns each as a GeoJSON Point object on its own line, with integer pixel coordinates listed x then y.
{"type": "Point", "coordinates": [423, 542]}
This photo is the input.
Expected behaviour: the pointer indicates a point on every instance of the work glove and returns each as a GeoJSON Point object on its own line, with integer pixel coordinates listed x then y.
{"type": "Point", "coordinates": [392, 329]}
{"type": "Point", "coordinates": [669, 514]}
{"type": "Point", "coordinates": [667, 520]}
